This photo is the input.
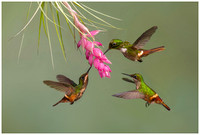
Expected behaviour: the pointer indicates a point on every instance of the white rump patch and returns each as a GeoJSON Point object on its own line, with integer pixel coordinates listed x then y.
{"type": "Point", "coordinates": [123, 50]}
{"type": "Point", "coordinates": [140, 54]}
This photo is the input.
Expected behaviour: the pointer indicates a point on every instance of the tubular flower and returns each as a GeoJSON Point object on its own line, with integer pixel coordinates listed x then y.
{"type": "Point", "coordinates": [94, 55]}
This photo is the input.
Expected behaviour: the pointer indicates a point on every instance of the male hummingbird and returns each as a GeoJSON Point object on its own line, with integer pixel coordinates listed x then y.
{"type": "Point", "coordinates": [142, 91]}
{"type": "Point", "coordinates": [72, 91]}
{"type": "Point", "coordinates": [134, 51]}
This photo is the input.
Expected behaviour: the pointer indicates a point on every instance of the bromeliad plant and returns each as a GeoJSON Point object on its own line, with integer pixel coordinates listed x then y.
{"type": "Point", "coordinates": [76, 19]}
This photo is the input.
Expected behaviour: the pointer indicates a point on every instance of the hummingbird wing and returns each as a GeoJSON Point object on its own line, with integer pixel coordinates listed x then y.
{"type": "Point", "coordinates": [134, 94]}
{"type": "Point", "coordinates": [63, 87]}
{"type": "Point", "coordinates": [144, 38]}
{"type": "Point", "coordinates": [128, 80]}
{"type": "Point", "coordinates": [64, 79]}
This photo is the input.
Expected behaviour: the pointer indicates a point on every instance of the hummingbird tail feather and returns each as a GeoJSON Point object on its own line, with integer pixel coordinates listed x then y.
{"type": "Point", "coordinates": [63, 100]}
{"type": "Point", "coordinates": [57, 103]}
{"type": "Point", "coordinates": [167, 107]}
{"type": "Point", "coordinates": [157, 49]}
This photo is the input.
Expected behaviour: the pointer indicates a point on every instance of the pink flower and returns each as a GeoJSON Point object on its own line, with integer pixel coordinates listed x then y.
{"type": "Point", "coordinates": [104, 59]}
{"type": "Point", "coordinates": [87, 54]}
{"type": "Point", "coordinates": [97, 43]}
{"type": "Point", "coordinates": [71, 11]}
{"type": "Point", "coordinates": [94, 55]}
{"type": "Point", "coordinates": [89, 46]}
{"type": "Point", "coordinates": [93, 33]}
{"type": "Point", "coordinates": [90, 59]}
{"type": "Point", "coordinates": [96, 63]}
{"type": "Point", "coordinates": [97, 53]}
{"type": "Point", "coordinates": [81, 27]}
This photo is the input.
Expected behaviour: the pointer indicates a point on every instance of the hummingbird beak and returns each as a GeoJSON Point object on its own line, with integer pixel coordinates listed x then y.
{"type": "Point", "coordinates": [126, 74]}
{"type": "Point", "coordinates": [106, 51]}
{"type": "Point", "coordinates": [89, 70]}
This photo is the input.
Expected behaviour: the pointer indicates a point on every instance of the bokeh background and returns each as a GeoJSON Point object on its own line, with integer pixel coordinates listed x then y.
{"type": "Point", "coordinates": [173, 73]}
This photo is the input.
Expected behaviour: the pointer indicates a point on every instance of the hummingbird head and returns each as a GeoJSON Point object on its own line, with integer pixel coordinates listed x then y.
{"type": "Point", "coordinates": [114, 44]}
{"type": "Point", "coordinates": [136, 77]}
{"type": "Point", "coordinates": [84, 77]}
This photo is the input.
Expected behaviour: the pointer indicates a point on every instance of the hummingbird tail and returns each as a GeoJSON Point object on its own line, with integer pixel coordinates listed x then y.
{"type": "Point", "coordinates": [167, 107]}
{"type": "Point", "coordinates": [57, 103]}
{"type": "Point", "coordinates": [63, 100]}
{"type": "Point", "coordinates": [157, 49]}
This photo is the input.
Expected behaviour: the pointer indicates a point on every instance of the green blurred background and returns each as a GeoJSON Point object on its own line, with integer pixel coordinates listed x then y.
{"type": "Point", "coordinates": [173, 73]}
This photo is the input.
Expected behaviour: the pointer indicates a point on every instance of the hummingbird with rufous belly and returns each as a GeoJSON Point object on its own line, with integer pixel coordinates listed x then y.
{"type": "Point", "coordinates": [143, 91]}
{"type": "Point", "coordinates": [134, 51]}
{"type": "Point", "coordinates": [72, 91]}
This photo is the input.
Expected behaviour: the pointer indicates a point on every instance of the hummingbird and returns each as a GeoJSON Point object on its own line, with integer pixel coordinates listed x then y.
{"type": "Point", "coordinates": [143, 91]}
{"type": "Point", "coordinates": [134, 51]}
{"type": "Point", "coordinates": [72, 91]}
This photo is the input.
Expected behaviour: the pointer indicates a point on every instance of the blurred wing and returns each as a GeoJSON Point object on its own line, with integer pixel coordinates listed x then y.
{"type": "Point", "coordinates": [68, 89]}
{"type": "Point", "coordinates": [144, 38]}
{"type": "Point", "coordinates": [128, 80]}
{"type": "Point", "coordinates": [64, 79]}
{"type": "Point", "coordinates": [134, 94]}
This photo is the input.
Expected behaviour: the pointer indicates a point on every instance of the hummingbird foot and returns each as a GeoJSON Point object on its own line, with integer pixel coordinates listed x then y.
{"type": "Point", "coordinates": [147, 104]}
{"type": "Point", "coordinates": [140, 60]}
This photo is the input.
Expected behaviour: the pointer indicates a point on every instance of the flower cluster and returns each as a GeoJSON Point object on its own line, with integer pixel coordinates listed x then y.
{"type": "Point", "coordinates": [94, 55]}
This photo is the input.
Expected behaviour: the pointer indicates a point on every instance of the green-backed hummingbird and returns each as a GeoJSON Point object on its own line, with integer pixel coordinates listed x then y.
{"type": "Point", "coordinates": [134, 51]}
{"type": "Point", "coordinates": [142, 91]}
{"type": "Point", "coordinates": [72, 90]}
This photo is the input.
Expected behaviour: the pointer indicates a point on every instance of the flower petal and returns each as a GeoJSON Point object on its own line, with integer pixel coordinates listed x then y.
{"type": "Point", "coordinates": [96, 63]}
{"type": "Point", "coordinates": [103, 74]}
{"type": "Point", "coordinates": [97, 52]}
{"type": "Point", "coordinates": [98, 43]}
{"type": "Point", "coordinates": [107, 74]}
{"type": "Point", "coordinates": [89, 46]}
{"type": "Point", "coordinates": [79, 43]}
{"type": "Point", "coordinates": [101, 66]}
{"type": "Point", "coordinates": [100, 73]}
{"type": "Point", "coordinates": [81, 27]}
{"type": "Point", "coordinates": [107, 68]}
{"type": "Point", "coordinates": [87, 54]}
{"type": "Point", "coordinates": [90, 59]}
{"type": "Point", "coordinates": [105, 59]}
{"type": "Point", "coordinates": [93, 33]}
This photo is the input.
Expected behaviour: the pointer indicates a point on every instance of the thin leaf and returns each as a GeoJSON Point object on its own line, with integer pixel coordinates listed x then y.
{"type": "Point", "coordinates": [91, 24]}
{"type": "Point", "coordinates": [60, 8]}
{"type": "Point", "coordinates": [20, 48]}
{"type": "Point", "coordinates": [57, 11]}
{"type": "Point", "coordinates": [100, 12]}
{"type": "Point", "coordinates": [91, 21]}
{"type": "Point", "coordinates": [26, 24]}
{"type": "Point", "coordinates": [28, 11]}
{"type": "Point", "coordinates": [41, 14]}
{"type": "Point", "coordinates": [60, 40]}
{"type": "Point", "coordinates": [95, 16]}
{"type": "Point", "coordinates": [58, 18]}
{"type": "Point", "coordinates": [39, 32]}
{"type": "Point", "coordinates": [48, 36]}
{"type": "Point", "coordinates": [44, 23]}
{"type": "Point", "coordinates": [48, 17]}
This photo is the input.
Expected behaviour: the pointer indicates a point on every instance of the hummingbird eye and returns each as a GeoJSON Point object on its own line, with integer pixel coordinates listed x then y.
{"type": "Point", "coordinates": [114, 44]}
{"type": "Point", "coordinates": [135, 76]}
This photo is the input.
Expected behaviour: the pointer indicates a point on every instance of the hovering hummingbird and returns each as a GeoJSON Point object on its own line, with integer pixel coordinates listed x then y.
{"type": "Point", "coordinates": [142, 91]}
{"type": "Point", "coordinates": [134, 51]}
{"type": "Point", "coordinates": [72, 91]}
